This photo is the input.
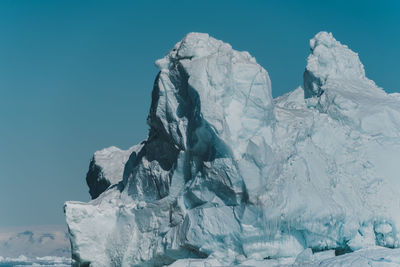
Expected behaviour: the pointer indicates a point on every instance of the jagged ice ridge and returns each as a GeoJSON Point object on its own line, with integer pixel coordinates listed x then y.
{"type": "Point", "coordinates": [230, 174]}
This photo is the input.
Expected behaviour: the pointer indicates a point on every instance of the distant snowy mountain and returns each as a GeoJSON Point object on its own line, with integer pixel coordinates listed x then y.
{"type": "Point", "coordinates": [228, 175]}
{"type": "Point", "coordinates": [32, 242]}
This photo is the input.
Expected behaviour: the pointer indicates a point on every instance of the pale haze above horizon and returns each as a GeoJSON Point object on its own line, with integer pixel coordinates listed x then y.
{"type": "Point", "coordinates": [76, 76]}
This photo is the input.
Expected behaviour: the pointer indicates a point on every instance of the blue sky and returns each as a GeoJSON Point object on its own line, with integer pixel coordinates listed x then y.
{"type": "Point", "coordinates": [76, 76]}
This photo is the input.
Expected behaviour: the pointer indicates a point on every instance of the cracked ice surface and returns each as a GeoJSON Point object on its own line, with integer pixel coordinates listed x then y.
{"type": "Point", "coordinates": [230, 174]}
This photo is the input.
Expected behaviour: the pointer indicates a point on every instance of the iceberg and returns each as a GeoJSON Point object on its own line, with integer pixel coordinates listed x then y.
{"type": "Point", "coordinates": [229, 175]}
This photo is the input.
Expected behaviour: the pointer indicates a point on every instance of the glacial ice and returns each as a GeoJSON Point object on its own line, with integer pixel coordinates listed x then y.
{"type": "Point", "coordinates": [229, 175]}
{"type": "Point", "coordinates": [107, 168]}
{"type": "Point", "coordinates": [373, 256]}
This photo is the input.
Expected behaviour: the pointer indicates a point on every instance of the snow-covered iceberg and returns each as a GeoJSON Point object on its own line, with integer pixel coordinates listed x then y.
{"type": "Point", "coordinates": [230, 174]}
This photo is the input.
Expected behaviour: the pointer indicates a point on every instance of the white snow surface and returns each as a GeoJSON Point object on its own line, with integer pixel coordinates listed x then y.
{"type": "Point", "coordinates": [229, 174]}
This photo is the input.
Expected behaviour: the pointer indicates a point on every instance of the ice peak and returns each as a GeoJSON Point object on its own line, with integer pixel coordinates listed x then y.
{"type": "Point", "coordinates": [329, 59]}
{"type": "Point", "coordinates": [193, 45]}
{"type": "Point", "coordinates": [196, 44]}
{"type": "Point", "coordinates": [225, 87]}
{"type": "Point", "coordinates": [323, 38]}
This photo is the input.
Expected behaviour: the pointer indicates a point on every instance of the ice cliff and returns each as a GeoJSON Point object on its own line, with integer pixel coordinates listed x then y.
{"type": "Point", "coordinates": [229, 173]}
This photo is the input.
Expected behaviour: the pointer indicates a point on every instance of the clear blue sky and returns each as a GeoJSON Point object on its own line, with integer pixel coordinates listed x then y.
{"type": "Point", "coordinates": [76, 76]}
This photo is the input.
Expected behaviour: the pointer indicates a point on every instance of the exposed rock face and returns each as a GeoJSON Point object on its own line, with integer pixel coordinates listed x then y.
{"type": "Point", "coordinates": [230, 173]}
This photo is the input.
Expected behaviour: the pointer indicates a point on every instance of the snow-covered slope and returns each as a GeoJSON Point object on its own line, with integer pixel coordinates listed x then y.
{"type": "Point", "coordinates": [231, 174]}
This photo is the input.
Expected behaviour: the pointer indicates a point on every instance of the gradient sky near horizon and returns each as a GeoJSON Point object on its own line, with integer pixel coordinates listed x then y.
{"type": "Point", "coordinates": [76, 76]}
